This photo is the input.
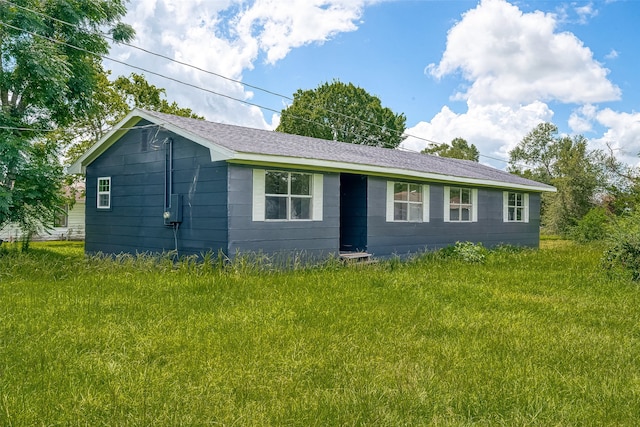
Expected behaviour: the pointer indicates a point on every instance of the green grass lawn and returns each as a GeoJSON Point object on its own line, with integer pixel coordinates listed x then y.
{"type": "Point", "coordinates": [529, 338]}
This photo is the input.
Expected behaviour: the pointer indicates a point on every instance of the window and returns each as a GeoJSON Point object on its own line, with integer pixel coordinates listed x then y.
{"type": "Point", "coordinates": [407, 202]}
{"type": "Point", "coordinates": [461, 204]}
{"type": "Point", "coordinates": [516, 207]}
{"type": "Point", "coordinates": [61, 217]}
{"type": "Point", "coordinates": [286, 196]}
{"type": "Point", "coordinates": [104, 193]}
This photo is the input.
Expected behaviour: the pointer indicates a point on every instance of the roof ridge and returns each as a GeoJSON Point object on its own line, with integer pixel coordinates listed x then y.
{"type": "Point", "coordinates": [243, 139]}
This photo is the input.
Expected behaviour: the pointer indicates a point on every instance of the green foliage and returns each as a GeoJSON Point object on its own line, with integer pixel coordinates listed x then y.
{"type": "Point", "coordinates": [566, 163]}
{"type": "Point", "coordinates": [623, 252]}
{"type": "Point", "coordinates": [30, 190]}
{"type": "Point", "coordinates": [527, 338]}
{"type": "Point", "coordinates": [623, 192]}
{"type": "Point", "coordinates": [342, 112]}
{"type": "Point", "coordinates": [47, 79]}
{"type": "Point", "coordinates": [459, 149]}
{"type": "Point", "coordinates": [537, 151]}
{"type": "Point", "coordinates": [593, 226]}
{"type": "Point", "coordinates": [45, 83]}
{"type": "Point", "coordinates": [138, 93]}
{"type": "Point", "coordinates": [466, 251]}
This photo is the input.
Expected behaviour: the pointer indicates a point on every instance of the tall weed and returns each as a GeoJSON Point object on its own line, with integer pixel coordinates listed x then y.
{"type": "Point", "coordinates": [467, 252]}
{"type": "Point", "coordinates": [592, 227]}
{"type": "Point", "coordinates": [528, 337]}
{"type": "Point", "coordinates": [622, 255]}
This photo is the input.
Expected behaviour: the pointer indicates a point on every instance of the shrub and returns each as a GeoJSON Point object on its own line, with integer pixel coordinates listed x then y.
{"type": "Point", "coordinates": [623, 253]}
{"type": "Point", "coordinates": [466, 251]}
{"type": "Point", "coordinates": [593, 226]}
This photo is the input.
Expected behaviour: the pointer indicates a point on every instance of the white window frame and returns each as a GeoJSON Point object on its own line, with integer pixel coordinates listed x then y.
{"type": "Point", "coordinates": [61, 218]}
{"type": "Point", "coordinates": [390, 214]}
{"type": "Point", "coordinates": [473, 207]}
{"type": "Point", "coordinates": [103, 193]}
{"type": "Point", "coordinates": [507, 207]}
{"type": "Point", "coordinates": [259, 205]}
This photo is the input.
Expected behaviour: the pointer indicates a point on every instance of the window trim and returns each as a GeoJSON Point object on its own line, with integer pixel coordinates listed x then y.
{"type": "Point", "coordinates": [63, 215]}
{"type": "Point", "coordinates": [259, 196]}
{"type": "Point", "coordinates": [102, 193]}
{"type": "Point", "coordinates": [506, 206]}
{"type": "Point", "coordinates": [390, 213]}
{"type": "Point", "coordinates": [447, 204]}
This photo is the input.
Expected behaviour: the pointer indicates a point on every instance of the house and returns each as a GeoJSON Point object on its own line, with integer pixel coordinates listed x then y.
{"type": "Point", "coordinates": [68, 225]}
{"type": "Point", "coordinates": [159, 182]}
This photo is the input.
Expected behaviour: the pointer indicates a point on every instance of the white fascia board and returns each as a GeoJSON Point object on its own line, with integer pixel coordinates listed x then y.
{"type": "Point", "coordinates": [377, 170]}
{"type": "Point", "coordinates": [134, 117]}
{"type": "Point", "coordinates": [80, 165]}
{"type": "Point", "coordinates": [216, 151]}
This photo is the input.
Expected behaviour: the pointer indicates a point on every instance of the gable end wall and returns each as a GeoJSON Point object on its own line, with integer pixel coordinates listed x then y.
{"type": "Point", "coordinates": [135, 223]}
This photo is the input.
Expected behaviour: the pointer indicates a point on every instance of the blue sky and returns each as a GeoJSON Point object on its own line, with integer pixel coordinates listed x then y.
{"type": "Point", "coordinates": [488, 71]}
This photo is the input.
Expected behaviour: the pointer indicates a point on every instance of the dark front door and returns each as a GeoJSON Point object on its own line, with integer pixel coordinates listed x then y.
{"type": "Point", "coordinates": [353, 212]}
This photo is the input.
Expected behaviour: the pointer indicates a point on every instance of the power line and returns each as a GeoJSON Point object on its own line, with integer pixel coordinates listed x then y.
{"type": "Point", "coordinates": [104, 57]}
{"type": "Point", "coordinates": [135, 66]}
{"type": "Point", "coordinates": [159, 55]}
{"type": "Point", "coordinates": [155, 73]}
{"type": "Point", "coordinates": [235, 81]}
{"type": "Point", "coordinates": [26, 129]}
{"type": "Point", "coordinates": [158, 74]}
{"type": "Point", "coordinates": [211, 72]}
{"type": "Point", "coordinates": [219, 75]}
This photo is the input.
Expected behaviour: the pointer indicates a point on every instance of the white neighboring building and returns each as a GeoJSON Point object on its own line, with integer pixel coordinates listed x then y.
{"type": "Point", "coordinates": [67, 226]}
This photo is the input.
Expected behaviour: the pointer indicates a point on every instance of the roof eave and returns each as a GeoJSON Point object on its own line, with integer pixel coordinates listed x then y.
{"type": "Point", "coordinates": [336, 166]}
{"type": "Point", "coordinates": [220, 153]}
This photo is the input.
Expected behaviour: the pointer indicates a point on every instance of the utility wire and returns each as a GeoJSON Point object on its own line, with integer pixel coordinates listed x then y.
{"type": "Point", "coordinates": [159, 55]}
{"type": "Point", "coordinates": [158, 74]}
{"type": "Point", "coordinates": [207, 71]}
{"type": "Point", "coordinates": [235, 81]}
{"type": "Point", "coordinates": [136, 67]}
{"type": "Point", "coordinates": [270, 92]}
{"type": "Point", "coordinates": [56, 129]}
{"type": "Point", "coordinates": [384, 128]}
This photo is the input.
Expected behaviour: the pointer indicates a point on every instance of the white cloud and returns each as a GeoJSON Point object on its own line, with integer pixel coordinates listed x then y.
{"type": "Point", "coordinates": [612, 55]}
{"type": "Point", "coordinates": [515, 57]}
{"type": "Point", "coordinates": [494, 128]}
{"type": "Point", "coordinates": [623, 134]}
{"type": "Point", "coordinates": [585, 12]}
{"type": "Point", "coordinates": [515, 63]}
{"type": "Point", "coordinates": [581, 119]}
{"type": "Point", "coordinates": [279, 26]}
{"type": "Point", "coordinates": [225, 37]}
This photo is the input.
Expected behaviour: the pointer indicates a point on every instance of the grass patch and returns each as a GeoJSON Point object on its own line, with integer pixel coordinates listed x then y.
{"type": "Point", "coordinates": [525, 338]}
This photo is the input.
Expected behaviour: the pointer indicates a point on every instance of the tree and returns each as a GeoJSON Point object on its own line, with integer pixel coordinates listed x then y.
{"type": "Point", "coordinates": [534, 156]}
{"type": "Point", "coordinates": [342, 112]}
{"type": "Point", "coordinates": [459, 149]}
{"type": "Point", "coordinates": [49, 68]}
{"type": "Point", "coordinates": [566, 163]}
{"type": "Point", "coordinates": [137, 92]}
{"type": "Point", "coordinates": [622, 195]}
{"type": "Point", "coordinates": [112, 102]}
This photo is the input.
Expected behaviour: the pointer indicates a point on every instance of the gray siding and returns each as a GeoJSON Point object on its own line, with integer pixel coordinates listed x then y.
{"type": "Point", "coordinates": [311, 239]}
{"type": "Point", "coordinates": [135, 223]}
{"type": "Point", "coordinates": [388, 238]}
{"type": "Point", "coordinates": [217, 210]}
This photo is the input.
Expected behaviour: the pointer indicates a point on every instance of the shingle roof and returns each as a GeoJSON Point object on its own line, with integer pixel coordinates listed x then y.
{"type": "Point", "coordinates": [257, 141]}
{"type": "Point", "coordinates": [275, 147]}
